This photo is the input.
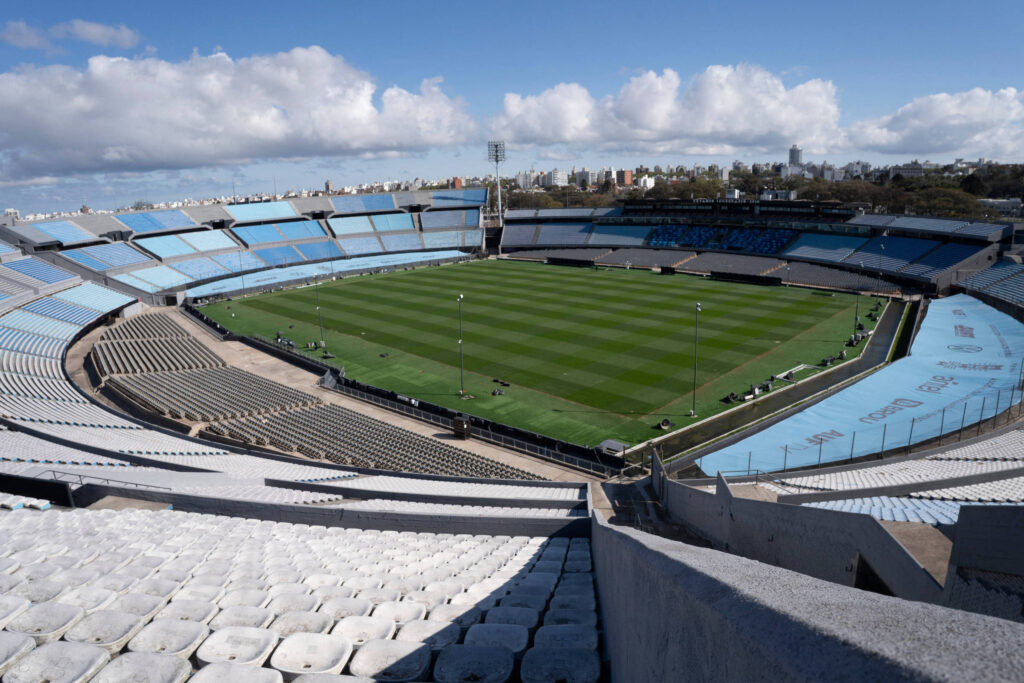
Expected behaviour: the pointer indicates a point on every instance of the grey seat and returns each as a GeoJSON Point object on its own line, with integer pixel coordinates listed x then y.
{"type": "Point", "coordinates": [302, 653]}
{"type": "Point", "coordinates": [175, 637]}
{"type": "Point", "coordinates": [105, 628]}
{"type": "Point", "coordinates": [139, 604]}
{"type": "Point", "coordinates": [523, 616]}
{"type": "Point", "coordinates": [511, 636]}
{"type": "Point", "coordinates": [460, 663]}
{"type": "Point", "coordinates": [58, 661]}
{"type": "Point", "coordinates": [566, 636]}
{"type": "Point", "coordinates": [144, 667]}
{"type": "Point", "coordinates": [585, 617]}
{"type": "Point", "coordinates": [391, 660]}
{"type": "Point", "coordinates": [293, 602]}
{"type": "Point", "coordinates": [572, 665]}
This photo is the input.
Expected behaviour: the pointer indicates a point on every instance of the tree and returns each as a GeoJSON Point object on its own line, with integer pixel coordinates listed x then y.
{"type": "Point", "coordinates": [973, 184]}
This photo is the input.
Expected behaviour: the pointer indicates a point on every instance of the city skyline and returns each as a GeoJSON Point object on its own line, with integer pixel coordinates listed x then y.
{"type": "Point", "coordinates": [126, 103]}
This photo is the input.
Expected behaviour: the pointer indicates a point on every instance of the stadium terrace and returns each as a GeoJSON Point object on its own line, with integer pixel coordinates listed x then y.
{"type": "Point", "coordinates": [400, 437]}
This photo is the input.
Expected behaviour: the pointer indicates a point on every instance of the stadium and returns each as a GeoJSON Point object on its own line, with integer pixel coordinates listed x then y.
{"type": "Point", "coordinates": [396, 437]}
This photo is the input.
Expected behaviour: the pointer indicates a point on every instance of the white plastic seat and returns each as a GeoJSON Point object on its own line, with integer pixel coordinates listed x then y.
{"type": "Point", "coordinates": [460, 663]}
{"type": "Point", "coordinates": [188, 610]}
{"type": "Point", "coordinates": [117, 582]}
{"type": "Point", "coordinates": [237, 644]}
{"type": "Point", "coordinates": [572, 665]}
{"type": "Point", "coordinates": [325, 593]}
{"type": "Point", "coordinates": [400, 612]}
{"type": "Point", "coordinates": [46, 621]}
{"type": "Point", "coordinates": [144, 666]}
{"type": "Point", "coordinates": [89, 598]}
{"type": "Point", "coordinates": [139, 604]}
{"type": "Point", "coordinates": [360, 630]}
{"type": "Point", "coordinates": [463, 615]}
{"type": "Point", "coordinates": [10, 607]}
{"type": "Point", "coordinates": [38, 591]}
{"type": "Point", "coordinates": [246, 597]}
{"type": "Point", "coordinates": [175, 637]}
{"type": "Point", "coordinates": [430, 599]}
{"type": "Point", "coordinates": [13, 646]}
{"type": "Point", "coordinates": [58, 661]}
{"type": "Point", "coordinates": [291, 622]}
{"type": "Point", "coordinates": [320, 653]}
{"type": "Point", "coordinates": [105, 628]}
{"type": "Point", "coordinates": [201, 592]}
{"type": "Point", "coordinates": [483, 602]}
{"type": "Point", "coordinates": [437, 634]}
{"type": "Point", "coordinates": [161, 588]}
{"type": "Point", "coordinates": [339, 608]}
{"type": "Point", "coordinates": [511, 636]}
{"type": "Point", "coordinates": [293, 602]}
{"type": "Point", "coordinates": [219, 672]}
{"type": "Point", "coordinates": [379, 595]}
{"type": "Point", "coordinates": [391, 660]}
{"type": "Point", "coordinates": [251, 617]}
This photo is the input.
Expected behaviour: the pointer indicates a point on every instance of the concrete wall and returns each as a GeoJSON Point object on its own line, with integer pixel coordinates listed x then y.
{"type": "Point", "coordinates": [826, 544]}
{"type": "Point", "coordinates": [675, 612]}
{"type": "Point", "coordinates": [991, 538]}
{"type": "Point", "coordinates": [360, 519]}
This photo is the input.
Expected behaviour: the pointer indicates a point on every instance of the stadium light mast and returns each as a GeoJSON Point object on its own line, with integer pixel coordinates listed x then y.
{"type": "Point", "coordinates": [319, 315]}
{"type": "Point", "coordinates": [496, 155]}
{"type": "Point", "coordinates": [696, 332]}
{"type": "Point", "coordinates": [462, 366]}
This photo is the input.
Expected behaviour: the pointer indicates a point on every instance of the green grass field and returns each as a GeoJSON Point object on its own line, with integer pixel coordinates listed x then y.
{"type": "Point", "coordinates": [590, 354]}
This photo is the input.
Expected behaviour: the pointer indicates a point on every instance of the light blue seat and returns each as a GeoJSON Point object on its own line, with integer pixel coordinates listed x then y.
{"type": "Point", "coordinates": [393, 221]}
{"type": "Point", "coordinates": [39, 270]}
{"type": "Point", "coordinates": [200, 268]}
{"type": "Point", "coordinates": [64, 232]}
{"type": "Point", "coordinates": [261, 211]}
{"type": "Point", "coordinates": [350, 225]}
{"type": "Point", "coordinates": [315, 251]}
{"type": "Point", "coordinates": [360, 245]}
{"type": "Point", "coordinates": [278, 256]}
{"type": "Point", "coordinates": [94, 296]}
{"type": "Point", "coordinates": [239, 261]}
{"type": "Point", "coordinates": [117, 254]}
{"type": "Point", "coordinates": [165, 246]}
{"type": "Point", "coordinates": [258, 234]}
{"type": "Point", "coordinates": [300, 230]}
{"type": "Point", "coordinates": [208, 240]}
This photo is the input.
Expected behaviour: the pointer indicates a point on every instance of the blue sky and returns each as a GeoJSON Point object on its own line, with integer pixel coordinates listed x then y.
{"type": "Point", "coordinates": [112, 102]}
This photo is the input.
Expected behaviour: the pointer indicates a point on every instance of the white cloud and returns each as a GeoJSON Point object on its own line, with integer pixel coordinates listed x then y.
{"type": "Point", "coordinates": [122, 114]}
{"type": "Point", "coordinates": [20, 34]}
{"type": "Point", "coordinates": [977, 121]}
{"type": "Point", "coordinates": [97, 34]}
{"type": "Point", "coordinates": [723, 109]}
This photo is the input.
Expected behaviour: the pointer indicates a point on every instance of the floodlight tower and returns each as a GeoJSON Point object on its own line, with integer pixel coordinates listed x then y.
{"type": "Point", "coordinates": [496, 155]}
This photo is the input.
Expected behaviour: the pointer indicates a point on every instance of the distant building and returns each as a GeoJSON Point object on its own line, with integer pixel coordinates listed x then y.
{"type": "Point", "coordinates": [796, 156]}
{"type": "Point", "coordinates": [623, 177]}
{"type": "Point", "coordinates": [328, 187]}
{"type": "Point", "coordinates": [1010, 208]}
{"type": "Point", "coordinates": [914, 169]}
{"type": "Point", "coordinates": [456, 183]}
{"type": "Point", "coordinates": [777, 195]}
{"type": "Point", "coordinates": [556, 178]}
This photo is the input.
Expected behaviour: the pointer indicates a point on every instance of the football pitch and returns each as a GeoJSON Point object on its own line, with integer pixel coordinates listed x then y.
{"type": "Point", "coordinates": [590, 354]}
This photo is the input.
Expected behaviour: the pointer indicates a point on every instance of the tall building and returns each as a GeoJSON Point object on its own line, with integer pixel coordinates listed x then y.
{"type": "Point", "coordinates": [796, 156]}
{"type": "Point", "coordinates": [328, 187]}
{"type": "Point", "coordinates": [623, 177]}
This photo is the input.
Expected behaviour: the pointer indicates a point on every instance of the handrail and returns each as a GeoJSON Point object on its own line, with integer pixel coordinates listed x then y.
{"type": "Point", "coordinates": [80, 479]}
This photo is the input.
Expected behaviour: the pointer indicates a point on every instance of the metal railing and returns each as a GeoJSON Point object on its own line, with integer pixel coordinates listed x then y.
{"type": "Point", "coordinates": [80, 479]}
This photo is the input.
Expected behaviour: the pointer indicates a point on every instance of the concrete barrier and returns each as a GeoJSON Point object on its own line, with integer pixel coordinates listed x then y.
{"type": "Point", "coordinates": [671, 612]}
{"type": "Point", "coordinates": [835, 546]}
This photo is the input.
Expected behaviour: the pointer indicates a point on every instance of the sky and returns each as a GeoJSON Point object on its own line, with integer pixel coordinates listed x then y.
{"type": "Point", "coordinates": [111, 102]}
